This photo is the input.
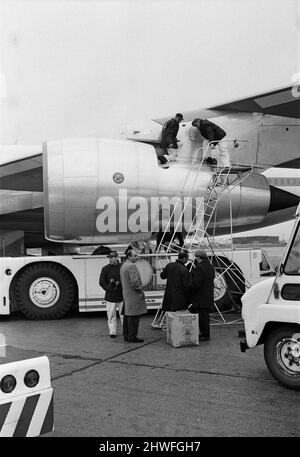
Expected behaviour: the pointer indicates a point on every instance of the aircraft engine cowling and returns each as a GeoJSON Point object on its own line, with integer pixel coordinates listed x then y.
{"type": "Point", "coordinates": [99, 191]}
{"type": "Point", "coordinates": [247, 202]}
{"type": "Point", "coordinates": [87, 184]}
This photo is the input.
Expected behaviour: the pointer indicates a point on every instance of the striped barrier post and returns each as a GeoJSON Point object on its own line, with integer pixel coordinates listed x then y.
{"type": "Point", "coordinates": [26, 398]}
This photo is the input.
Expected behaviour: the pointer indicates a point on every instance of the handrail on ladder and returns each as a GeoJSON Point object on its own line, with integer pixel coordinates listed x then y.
{"type": "Point", "coordinates": [187, 197]}
{"type": "Point", "coordinates": [218, 181]}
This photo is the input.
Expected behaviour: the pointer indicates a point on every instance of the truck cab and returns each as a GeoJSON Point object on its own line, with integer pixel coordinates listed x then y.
{"type": "Point", "coordinates": [271, 314]}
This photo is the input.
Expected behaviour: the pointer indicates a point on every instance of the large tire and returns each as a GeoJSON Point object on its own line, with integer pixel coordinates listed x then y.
{"type": "Point", "coordinates": [229, 287]}
{"type": "Point", "coordinates": [221, 296]}
{"type": "Point", "coordinates": [44, 291]}
{"type": "Point", "coordinates": [282, 355]}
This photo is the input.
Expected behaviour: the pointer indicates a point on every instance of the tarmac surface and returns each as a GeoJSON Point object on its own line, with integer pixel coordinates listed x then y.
{"type": "Point", "coordinates": [109, 388]}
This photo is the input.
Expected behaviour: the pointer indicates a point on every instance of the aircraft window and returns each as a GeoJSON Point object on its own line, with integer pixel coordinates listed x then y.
{"type": "Point", "coordinates": [292, 264]}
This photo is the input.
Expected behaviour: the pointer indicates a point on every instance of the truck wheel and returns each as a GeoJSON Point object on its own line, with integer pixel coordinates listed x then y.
{"type": "Point", "coordinates": [282, 356]}
{"type": "Point", "coordinates": [44, 291]}
{"type": "Point", "coordinates": [229, 287]}
{"type": "Point", "coordinates": [220, 293]}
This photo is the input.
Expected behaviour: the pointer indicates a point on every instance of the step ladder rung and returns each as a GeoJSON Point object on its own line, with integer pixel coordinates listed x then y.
{"type": "Point", "coordinates": [210, 206]}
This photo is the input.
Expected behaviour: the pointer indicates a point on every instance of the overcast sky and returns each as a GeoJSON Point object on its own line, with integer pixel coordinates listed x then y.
{"type": "Point", "coordinates": [80, 68]}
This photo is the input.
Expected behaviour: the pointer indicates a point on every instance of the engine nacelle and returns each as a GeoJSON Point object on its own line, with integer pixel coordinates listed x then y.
{"type": "Point", "coordinates": [84, 177]}
{"type": "Point", "coordinates": [247, 202]}
{"type": "Point", "coordinates": [112, 191]}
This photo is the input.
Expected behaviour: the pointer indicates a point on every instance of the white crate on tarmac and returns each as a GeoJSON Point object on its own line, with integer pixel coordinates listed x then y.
{"type": "Point", "coordinates": [182, 329]}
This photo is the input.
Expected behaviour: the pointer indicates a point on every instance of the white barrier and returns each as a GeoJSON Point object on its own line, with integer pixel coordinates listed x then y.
{"type": "Point", "coordinates": [26, 398]}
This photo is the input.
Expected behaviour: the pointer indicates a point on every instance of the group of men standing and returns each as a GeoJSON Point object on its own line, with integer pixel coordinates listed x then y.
{"type": "Point", "coordinates": [123, 293]}
{"type": "Point", "coordinates": [189, 286]}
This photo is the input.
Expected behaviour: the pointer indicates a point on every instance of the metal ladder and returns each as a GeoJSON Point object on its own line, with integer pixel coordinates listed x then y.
{"type": "Point", "coordinates": [205, 208]}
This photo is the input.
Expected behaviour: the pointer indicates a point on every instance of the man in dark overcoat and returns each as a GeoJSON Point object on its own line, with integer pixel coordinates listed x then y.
{"type": "Point", "coordinates": [202, 291]}
{"type": "Point", "coordinates": [169, 139]}
{"type": "Point", "coordinates": [169, 132]}
{"type": "Point", "coordinates": [177, 287]}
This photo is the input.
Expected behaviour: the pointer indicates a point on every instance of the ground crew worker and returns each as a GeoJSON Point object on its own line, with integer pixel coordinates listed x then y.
{"type": "Point", "coordinates": [169, 132]}
{"type": "Point", "coordinates": [110, 281]}
{"type": "Point", "coordinates": [214, 134]}
{"type": "Point", "coordinates": [134, 297]}
{"type": "Point", "coordinates": [176, 295]}
{"type": "Point", "coordinates": [169, 136]}
{"type": "Point", "coordinates": [202, 292]}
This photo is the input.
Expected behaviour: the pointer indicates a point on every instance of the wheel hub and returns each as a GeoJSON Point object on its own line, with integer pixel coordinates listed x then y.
{"type": "Point", "coordinates": [220, 286]}
{"type": "Point", "coordinates": [288, 351]}
{"type": "Point", "coordinates": [44, 292]}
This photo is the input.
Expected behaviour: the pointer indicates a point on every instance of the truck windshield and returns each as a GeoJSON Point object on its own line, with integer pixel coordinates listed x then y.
{"type": "Point", "coordinates": [292, 265]}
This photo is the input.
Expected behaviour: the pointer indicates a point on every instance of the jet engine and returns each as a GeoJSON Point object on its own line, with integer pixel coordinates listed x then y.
{"type": "Point", "coordinates": [114, 191]}
{"type": "Point", "coordinates": [247, 201]}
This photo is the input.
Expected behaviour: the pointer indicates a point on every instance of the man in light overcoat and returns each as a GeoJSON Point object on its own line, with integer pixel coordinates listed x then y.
{"type": "Point", "coordinates": [134, 298]}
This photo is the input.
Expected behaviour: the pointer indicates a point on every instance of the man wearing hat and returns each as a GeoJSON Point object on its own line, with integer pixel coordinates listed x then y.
{"type": "Point", "coordinates": [169, 132]}
{"type": "Point", "coordinates": [202, 291]}
{"type": "Point", "coordinates": [169, 135]}
{"type": "Point", "coordinates": [177, 286]}
{"type": "Point", "coordinates": [134, 297]}
{"type": "Point", "coordinates": [110, 281]}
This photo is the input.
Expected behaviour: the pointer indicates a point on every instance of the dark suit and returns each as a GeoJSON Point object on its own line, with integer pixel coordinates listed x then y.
{"type": "Point", "coordinates": [202, 293]}
{"type": "Point", "coordinates": [177, 287]}
{"type": "Point", "coordinates": [169, 134]}
{"type": "Point", "coordinates": [211, 131]}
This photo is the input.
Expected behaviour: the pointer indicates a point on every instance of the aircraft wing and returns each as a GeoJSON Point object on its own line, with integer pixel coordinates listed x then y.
{"type": "Point", "coordinates": [281, 102]}
{"type": "Point", "coordinates": [21, 187]}
{"type": "Point", "coordinates": [21, 168]}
